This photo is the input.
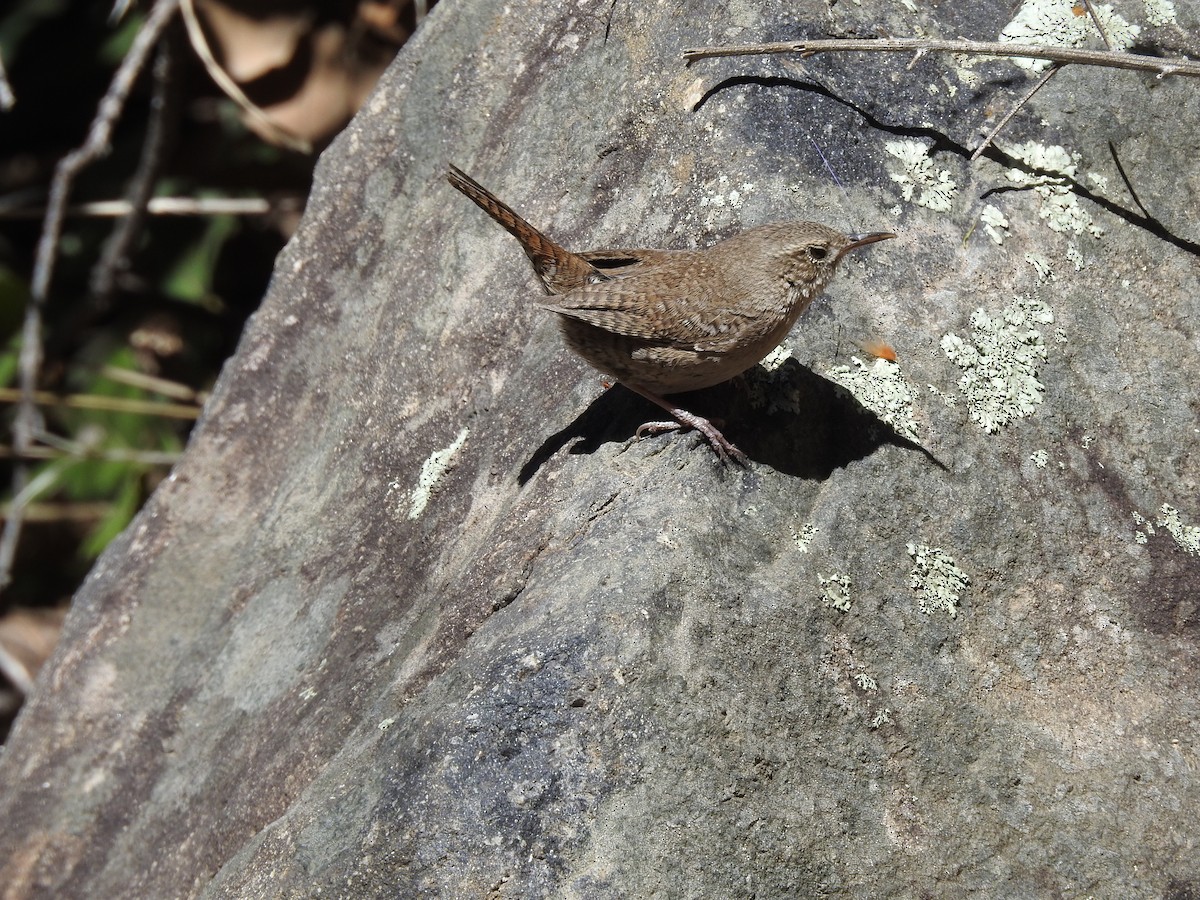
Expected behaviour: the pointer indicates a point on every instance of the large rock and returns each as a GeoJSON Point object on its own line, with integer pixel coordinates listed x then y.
{"type": "Point", "coordinates": [414, 616]}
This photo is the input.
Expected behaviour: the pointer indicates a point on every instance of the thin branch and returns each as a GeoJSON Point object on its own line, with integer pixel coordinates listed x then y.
{"type": "Point", "coordinates": [7, 98]}
{"type": "Point", "coordinates": [229, 86]}
{"type": "Point", "coordinates": [1099, 25]}
{"type": "Point", "coordinates": [115, 256]}
{"type": "Point", "coordinates": [100, 402]}
{"type": "Point", "coordinates": [172, 389]}
{"type": "Point", "coordinates": [28, 420]}
{"type": "Point", "coordinates": [43, 481]}
{"type": "Point", "coordinates": [89, 449]}
{"type": "Point", "coordinates": [159, 206]}
{"type": "Point", "coordinates": [144, 457]}
{"type": "Point", "coordinates": [1104, 58]}
{"type": "Point", "coordinates": [62, 512]}
{"type": "Point", "coordinates": [15, 671]}
{"type": "Point", "coordinates": [120, 8]}
{"type": "Point", "coordinates": [1041, 83]}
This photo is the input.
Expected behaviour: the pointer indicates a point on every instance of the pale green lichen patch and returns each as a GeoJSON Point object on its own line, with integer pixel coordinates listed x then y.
{"type": "Point", "coordinates": [881, 388]}
{"type": "Point", "coordinates": [1039, 458]}
{"type": "Point", "coordinates": [1055, 22]}
{"type": "Point", "coordinates": [995, 223]}
{"type": "Point", "coordinates": [939, 583]}
{"type": "Point", "coordinates": [776, 357]}
{"type": "Point", "coordinates": [919, 181]}
{"type": "Point", "coordinates": [835, 591]}
{"type": "Point", "coordinates": [1041, 265]}
{"type": "Point", "coordinates": [1000, 371]}
{"type": "Point", "coordinates": [432, 471]}
{"type": "Point", "coordinates": [804, 536]}
{"type": "Point", "coordinates": [1186, 536]}
{"type": "Point", "coordinates": [1160, 12]}
{"type": "Point", "coordinates": [866, 682]}
{"type": "Point", "coordinates": [1145, 527]}
{"type": "Point", "coordinates": [1052, 184]}
{"type": "Point", "coordinates": [883, 717]}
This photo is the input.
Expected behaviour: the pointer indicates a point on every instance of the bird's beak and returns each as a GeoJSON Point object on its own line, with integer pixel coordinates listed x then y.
{"type": "Point", "coordinates": [861, 240]}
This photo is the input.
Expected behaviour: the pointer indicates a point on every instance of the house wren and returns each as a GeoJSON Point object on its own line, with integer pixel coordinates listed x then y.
{"type": "Point", "coordinates": [668, 321]}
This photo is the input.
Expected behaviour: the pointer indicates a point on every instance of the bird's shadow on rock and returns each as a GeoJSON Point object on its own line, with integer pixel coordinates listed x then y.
{"type": "Point", "coordinates": [790, 419]}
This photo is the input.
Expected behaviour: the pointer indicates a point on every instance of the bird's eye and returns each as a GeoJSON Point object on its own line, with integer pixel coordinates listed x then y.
{"type": "Point", "coordinates": [817, 252]}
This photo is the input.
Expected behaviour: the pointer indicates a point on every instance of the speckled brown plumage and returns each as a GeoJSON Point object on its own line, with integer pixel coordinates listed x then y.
{"type": "Point", "coordinates": [667, 321]}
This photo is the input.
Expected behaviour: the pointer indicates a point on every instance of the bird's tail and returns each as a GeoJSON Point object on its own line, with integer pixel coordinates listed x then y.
{"type": "Point", "coordinates": [559, 269]}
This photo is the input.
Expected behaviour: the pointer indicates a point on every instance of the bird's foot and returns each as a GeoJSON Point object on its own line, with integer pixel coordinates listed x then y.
{"type": "Point", "coordinates": [724, 449]}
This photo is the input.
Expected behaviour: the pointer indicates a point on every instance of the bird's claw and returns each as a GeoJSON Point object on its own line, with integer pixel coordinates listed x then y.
{"type": "Point", "coordinates": [721, 445]}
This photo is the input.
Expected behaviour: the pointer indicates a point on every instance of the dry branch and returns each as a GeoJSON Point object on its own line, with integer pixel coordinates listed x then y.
{"type": "Point", "coordinates": [115, 257]}
{"type": "Point", "coordinates": [101, 402]}
{"type": "Point", "coordinates": [921, 46]}
{"type": "Point", "coordinates": [161, 206]}
{"type": "Point", "coordinates": [7, 98]}
{"type": "Point", "coordinates": [223, 80]}
{"type": "Point", "coordinates": [991, 136]}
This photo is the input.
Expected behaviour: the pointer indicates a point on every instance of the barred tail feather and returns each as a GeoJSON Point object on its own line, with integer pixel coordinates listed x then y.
{"type": "Point", "coordinates": [559, 269]}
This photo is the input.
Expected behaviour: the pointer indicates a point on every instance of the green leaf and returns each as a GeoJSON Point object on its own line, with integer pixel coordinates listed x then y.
{"type": "Point", "coordinates": [114, 48]}
{"type": "Point", "coordinates": [191, 277]}
{"type": "Point", "coordinates": [14, 296]}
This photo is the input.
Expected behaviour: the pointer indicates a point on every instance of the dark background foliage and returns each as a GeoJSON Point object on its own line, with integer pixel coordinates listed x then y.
{"type": "Point", "coordinates": [180, 296]}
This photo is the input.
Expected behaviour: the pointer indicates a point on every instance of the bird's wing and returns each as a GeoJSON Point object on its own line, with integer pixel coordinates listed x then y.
{"type": "Point", "coordinates": [639, 306]}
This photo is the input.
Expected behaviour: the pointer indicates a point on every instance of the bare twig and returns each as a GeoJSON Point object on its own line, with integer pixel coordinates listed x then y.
{"type": "Point", "coordinates": [15, 671]}
{"type": "Point", "coordinates": [100, 402]}
{"type": "Point", "coordinates": [7, 98]}
{"type": "Point", "coordinates": [158, 206]}
{"type": "Point", "coordinates": [114, 454]}
{"type": "Point", "coordinates": [1099, 25]}
{"type": "Point", "coordinates": [115, 257]}
{"type": "Point", "coordinates": [1041, 83]}
{"type": "Point", "coordinates": [167, 388]}
{"type": "Point", "coordinates": [1104, 58]}
{"type": "Point", "coordinates": [89, 449]}
{"type": "Point", "coordinates": [229, 86]}
{"type": "Point", "coordinates": [120, 8]}
{"type": "Point", "coordinates": [43, 481]}
{"type": "Point", "coordinates": [61, 512]}
{"type": "Point", "coordinates": [28, 420]}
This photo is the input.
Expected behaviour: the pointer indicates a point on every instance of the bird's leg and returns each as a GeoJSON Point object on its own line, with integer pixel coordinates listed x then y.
{"type": "Point", "coordinates": [724, 449]}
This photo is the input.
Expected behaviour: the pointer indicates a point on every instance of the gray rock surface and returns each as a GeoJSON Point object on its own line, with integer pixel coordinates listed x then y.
{"type": "Point", "coordinates": [415, 618]}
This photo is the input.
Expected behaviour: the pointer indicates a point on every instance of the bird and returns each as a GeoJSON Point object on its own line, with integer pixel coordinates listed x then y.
{"type": "Point", "coordinates": [663, 322]}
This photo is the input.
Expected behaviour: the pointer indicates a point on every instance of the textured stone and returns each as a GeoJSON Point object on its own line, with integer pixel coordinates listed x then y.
{"type": "Point", "coordinates": [413, 617]}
